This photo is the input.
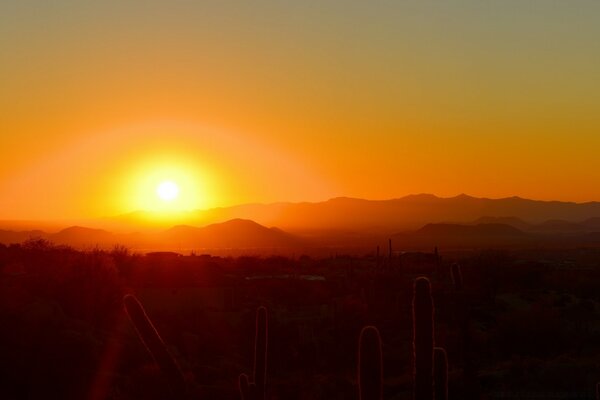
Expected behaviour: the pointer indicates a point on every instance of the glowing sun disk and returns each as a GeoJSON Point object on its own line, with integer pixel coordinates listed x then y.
{"type": "Point", "coordinates": [167, 190]}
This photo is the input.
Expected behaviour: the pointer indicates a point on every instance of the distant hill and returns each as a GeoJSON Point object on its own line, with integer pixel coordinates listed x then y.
{"type": "Point", "coordinates": [592, 224]}
{"type": "Point", "coordinates": [450, 236]}
{"type": "Point", "coordinates": [511, 221]}
{"type": "Point", "coordinates": [236, 233]}
{"type": "Point", "coordinates": [550, 226]}
{"type": "Point", "coordinates": [555, 233]}
{"type": "Point", "coordinates": [78, 236]}
{"type": "Point", "coordinates": [9, 236]}
{"type": "Point", "coordinates": [560, 226]}
{"type": "Point", "coordinates": [497, 230]}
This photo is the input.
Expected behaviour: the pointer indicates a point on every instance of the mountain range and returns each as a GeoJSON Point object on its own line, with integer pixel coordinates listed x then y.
{"type": "Point", "coordinates": [233, 234]}
{"type": "Point", "coordinates": [415, 221]}
{"type": "Point", "coordinates": [406, 213]}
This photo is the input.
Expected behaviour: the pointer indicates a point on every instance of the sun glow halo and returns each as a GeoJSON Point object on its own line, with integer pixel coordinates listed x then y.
{"type": "Point", "coordinates": [165, 186]}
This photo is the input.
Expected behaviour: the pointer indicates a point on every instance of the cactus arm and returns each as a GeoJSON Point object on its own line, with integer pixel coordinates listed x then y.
{"type": "Point", "coordinates": [155, 345]}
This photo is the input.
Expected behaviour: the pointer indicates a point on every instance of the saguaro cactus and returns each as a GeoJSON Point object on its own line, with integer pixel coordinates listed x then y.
{"type": "Point", "coordinates": [155, 345]}
{"type": "Point", "coordinates": [440, 373]}
{"type": "Point", "coordinates": [456, 274]}
{"type": "Point", "coordinates": [423, 339]}
{"type": "Point", "coordinates": [370, 366]}
{"type": "Point", "coordinates": [255, 389]}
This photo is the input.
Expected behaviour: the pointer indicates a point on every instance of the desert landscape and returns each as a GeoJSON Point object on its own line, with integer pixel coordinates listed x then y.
{"type": "Point", "coordinates": [299, 200]}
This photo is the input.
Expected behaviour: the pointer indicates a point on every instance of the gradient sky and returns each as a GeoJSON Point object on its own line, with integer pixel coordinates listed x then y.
{"type": "Point", "coordinates": [262, 101]}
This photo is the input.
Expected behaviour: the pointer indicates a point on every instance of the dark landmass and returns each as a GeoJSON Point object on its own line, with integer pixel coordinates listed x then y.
{"type": "Point", "coordinates": [522, 322]}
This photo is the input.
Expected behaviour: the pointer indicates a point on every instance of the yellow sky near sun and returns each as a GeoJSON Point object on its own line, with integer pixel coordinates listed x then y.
{"type": "Point", "coordinates": [118, 171]}
{"type": "Point", "coordinates": [292, 101]}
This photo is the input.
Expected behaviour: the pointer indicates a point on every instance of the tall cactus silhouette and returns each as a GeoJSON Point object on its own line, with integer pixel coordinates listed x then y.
{"type": "Point", "coordinates": [370, 366]}
{"type": "Point", "coordinates": [456, 275]}
{"type": "Point", "coordinates": [440, 373]}
{"type": "Point", "coordinates": [155, 345]}
{"type": "Point", "coordinates": [423, 339]}
{"type": "Point", "coordinates": [255, 390]}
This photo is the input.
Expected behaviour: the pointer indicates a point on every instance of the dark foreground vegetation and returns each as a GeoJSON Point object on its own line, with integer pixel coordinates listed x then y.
{"type": "Point", "coordinates": [508, 325]}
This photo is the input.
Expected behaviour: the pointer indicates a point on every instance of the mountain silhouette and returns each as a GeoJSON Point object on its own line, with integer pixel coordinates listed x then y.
{"type": "Point", "coordinates": [236, 233]}
{"type": "Point", "coordinates": [10, 236]}
{"type": "Point", "coordinates": [511, 221]}
{"type": "Point", "coordinates": [79, 235]}
{"type": "Point", "coordinates": [560, 226]}
{"type": "Point", "coordinates": [450, 236]}
{"type": "Point", "coordinates": [498, 230]}
{"type": "Point", "coordinates": [592, 224]}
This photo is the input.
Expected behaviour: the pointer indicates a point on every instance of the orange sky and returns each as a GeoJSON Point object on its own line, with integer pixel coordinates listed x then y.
{"type": "Point", "coordinates": [272, 101]}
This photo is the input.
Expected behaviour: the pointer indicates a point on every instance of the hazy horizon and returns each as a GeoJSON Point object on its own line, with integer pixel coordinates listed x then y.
{"type": "Point", "coordinates": [179, 212]}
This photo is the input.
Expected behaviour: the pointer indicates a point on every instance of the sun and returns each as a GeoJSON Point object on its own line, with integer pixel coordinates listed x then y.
{"type": "Point", "coordinates": [167, 190]}
{"type": "Point", "coordinates": [166, 186]}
